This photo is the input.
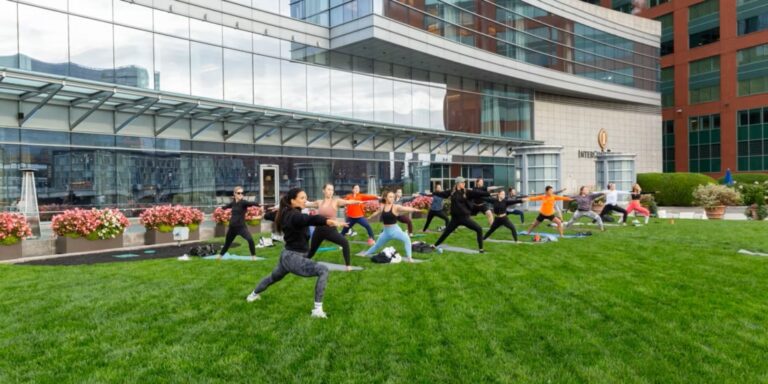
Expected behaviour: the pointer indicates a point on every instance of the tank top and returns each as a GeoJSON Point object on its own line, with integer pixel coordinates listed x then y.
{"type": "Point", "coordinates": [389, 218]}
{"type": "Point", "coordinates": [635, 196]}
{"type": "Point", "coordinates": [327, 209]}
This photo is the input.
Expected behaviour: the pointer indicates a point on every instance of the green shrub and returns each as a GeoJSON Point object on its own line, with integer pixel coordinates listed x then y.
{"type": "Point", "coordinates": [747, 178]}
{"type": "Point", "coordinates": [673, 189]}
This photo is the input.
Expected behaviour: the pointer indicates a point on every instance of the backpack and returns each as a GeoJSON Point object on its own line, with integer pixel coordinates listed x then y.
{"type": "Point", "coordinates": [387, 256]}
{"type": "Point", "coordinates": [266, 242]}
{"type": "Point", "coordinates": [421, 247]}
{"type": "Point", "coordinates": [203, 250]}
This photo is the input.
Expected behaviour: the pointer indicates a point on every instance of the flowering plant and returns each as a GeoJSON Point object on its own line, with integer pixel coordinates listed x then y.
{"type": "Point", "coordinates": [712, 195]}
{"type": "Point", "coordinates": [92, 224]}
{"type": "Point", "coordinates": [253, 215]}
{"type": "Point", "coordinates": [421, 203]}
{"type": "Point", "coordinates": [753, 193]}
{"type": "Point", "coordinates": [370, 207]}
{"type": "Point", "coordinates": [13, 227]}
{"type": "Point", "coordinates": [164, 217]}
{"type": "Point", "coordinates": [222, 216]}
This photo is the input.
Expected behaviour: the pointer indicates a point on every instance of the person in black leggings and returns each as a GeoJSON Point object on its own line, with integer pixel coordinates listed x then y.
{"type": "Point", "coordinates": [500, 205]}
{"type": "Point", "coordinates": [511, 210]}
{"type": "Point", "coordinates": [461, 209]}
{"type": "Point", "coordinates": [237, 226]}
{"type": "Point", "coordinates": [436, 209]}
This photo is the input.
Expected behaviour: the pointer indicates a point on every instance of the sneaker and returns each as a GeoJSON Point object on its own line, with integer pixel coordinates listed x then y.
{"type": "Point", "coordinates": [371, 242]}
{"type": "Point", "coordinates": [481, 250]}
{"type": "Point", "coordinates": [319, 313]}
{"type": "Point", "coordinates": [647, 218]}
{"type": "Point", "coordinates": [253, 297]}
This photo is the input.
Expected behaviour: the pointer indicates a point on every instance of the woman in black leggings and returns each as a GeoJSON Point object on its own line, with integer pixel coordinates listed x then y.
{"type": "Point", "coordinates": [237, 226]}
{"type": "Point", "coordinates": [461, 209]}
{"type": "Point", "coordinates": [436, 209]}
{"type": "Point", "coordinates": [500, 205]}
{"type": "Point", "coordinates": [328, 207]}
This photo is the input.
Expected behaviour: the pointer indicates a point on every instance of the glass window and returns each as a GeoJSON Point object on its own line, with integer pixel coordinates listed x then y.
{"type": "Point", "coordinates": [403, 103]}
{"type": "Point", "coordinates": [204, 31]}
{"type": "Point", "coordinates": [436, 108]}
{"type": "Point", "coordinates": [238, 76]}
{"type": "Point", "coordinates": [266, 81]}
{"type": "Point", "coordinates": [266, 45]}
{"type": "Point", "coordinates": [341, 93]}
{"type": "Point", "coordinates": [100, 9]}
{"type": "Point", "coordinates": [133, 58]}
{"type": "Point", "coordinates": [268, 5]}
{"type": "Point", "coordinates": [383, 103]}
{"type": "Point", "coordinates": [90, 49]}
{"type": "Point", "coordinates": [238, 39]}
{"type": "Point", "coordinates": [133, 15]}
{"type": "Point", "coordinates": [318, 89]}
{"type": "Point", "coordinates": [362, 86]}
{"type": "Point", "coordinates": [294, 85]}
{"type": "Point", "coordinates": [55, 4]}
{"type": "Point", "coordinates": [207, 72]}
{"type": "Point", "coordinates": [171, 24]}
{"type": "Point", "coordinates": [9, 48]}
{"type": "Point", "coordinates": [43, 40]}
{"type": "Point", "coordinates": [420, 106]}
{"type": "Point", "coordinates": [171, 64]}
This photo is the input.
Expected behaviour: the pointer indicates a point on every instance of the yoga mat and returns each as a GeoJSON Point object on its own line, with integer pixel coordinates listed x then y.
{"type": "Point", "coordinates": [550, 236]}
{"type": "Point", "coordinates": [327, 249]}
{"type": "Point", "coordinates": [361, 254]}
{"type": "Point", "coordinates": [232, 257]}
{"type": "Point", "coordinates": [358, 242]}
{"type": "Point", "coordinates": [419, 235]}
{"type": "Point", "coordinates": [338, 267]}
{"type": "Point", "coordinates": [125, 255]}
{"type": "Point", "coordinates": [750, 253]}
{"type": "Point", "coordinates": [149, 251]}
{"type": "Point", "coordinates": [458, 249]}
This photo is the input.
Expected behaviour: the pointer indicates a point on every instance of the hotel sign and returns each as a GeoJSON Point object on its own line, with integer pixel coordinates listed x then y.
{"type": "Point", "coordinates": [602, 142]}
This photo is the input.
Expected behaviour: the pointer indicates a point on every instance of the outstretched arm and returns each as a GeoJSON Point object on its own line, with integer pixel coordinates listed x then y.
{"type": "Point", "coordinates": [403, 209]}
{"type": "Point", "coordinates": [312, 204]}
{"type": "Point", "coordinates": [343, 202]}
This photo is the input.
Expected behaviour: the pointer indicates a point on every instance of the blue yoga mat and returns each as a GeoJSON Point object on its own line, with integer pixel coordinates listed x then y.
{"type": "Point", "coordinates": [149, 251]}
{"type": "Point", "coordinates": [553, 235]}
{"type": "Point", "coordinates": [126, 255]}
{"type": "Point", "coordinates": [327, 249]}
{"type": "Point", "coordinates": [231, 257]}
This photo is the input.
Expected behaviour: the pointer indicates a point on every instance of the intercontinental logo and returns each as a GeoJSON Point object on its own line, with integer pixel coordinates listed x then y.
{"type": "Point", "coordinates": [602, 142]}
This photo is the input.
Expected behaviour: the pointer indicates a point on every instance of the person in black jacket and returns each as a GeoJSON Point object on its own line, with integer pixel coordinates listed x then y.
{"type": "Point", "coordinates": [500, 204]}
{"type": "Point", "coordinates": [237, 226]}
{"type": "Point", "coordinates": [461, 210]}
{"type": "Point", "coordinates": [294, 226]}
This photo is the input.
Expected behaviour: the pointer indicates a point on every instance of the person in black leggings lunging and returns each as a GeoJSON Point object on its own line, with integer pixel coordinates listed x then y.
{"type": "Point", "coordinates": [461, 209]}
{"type": "Point", "coordinates": [500, 205]}
{"type": "Point", "coordinates": [511, 210]}
{"type": "Point", "coordinates": [237, 226]}
{"type": "Point", "coordinates": [293, 259]}
{"type": "Point", "coordinates": [436, 209]}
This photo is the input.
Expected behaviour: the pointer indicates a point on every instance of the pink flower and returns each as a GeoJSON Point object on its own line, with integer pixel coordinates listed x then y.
{"type": "Point", "coordinates": [14, 224]}
{"type": "Point", "coordinates": [421, 203]}
{"type": "Point", "coordinates": [172, 216]}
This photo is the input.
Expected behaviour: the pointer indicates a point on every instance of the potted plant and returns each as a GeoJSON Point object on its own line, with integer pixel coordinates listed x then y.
{"type": "Point", "coordinates": [160, 221]}
{"type": "Point", "coordinates": [80, 230]}
{"type": "Point", "coordinates": [422, 203]}
{"type": "Point", "coordinates": [13, 229]}
{"type": "Point", "coordinates": [754, 198]}
{"type": "Point", "coordinates": [370, 207]}
{"type": "Point", "coordinates": [714, 198]}
{"type": "Point", "coordinates": [598, 205]}
{"type": "Point", "coordinates": [649, 201]}
{"type": "Point", "coordinates": [253, 218]}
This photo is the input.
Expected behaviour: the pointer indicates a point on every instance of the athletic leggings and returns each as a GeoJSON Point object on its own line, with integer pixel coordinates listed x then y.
{"type": "Point", "coordinates": [408, 222]}
{"type": "Point", "coordinates": [612, 207]}
{"type": "Point", "coordinates": [234, 231]}
{"type": "Point", "coordinates": [358, 220]}
{"type": "Point", "coordinates": [391, 232]}
{"type": "Point", "coordinates": [519, 213]}
{"type": "Point", "coordinates": [298, 264]}
{"type": "Point", "coordinates": [432, 214]}
{"type": "Point", "coordinates": [499, 222]}
{"type": "Point", "coordinates": [634, 205]}
{"type": "Point", "coordinates": [331, 234]}
{"type": "Point", "coordinates": [590, 214]}
{"type": "Point", "coordinates": [465, 221]}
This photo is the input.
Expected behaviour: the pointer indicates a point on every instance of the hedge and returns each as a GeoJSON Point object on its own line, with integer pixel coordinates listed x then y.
{"type": "Point", "coordinates": [746, 178]}
{"type": "Point", "coordinates": [674, 189]}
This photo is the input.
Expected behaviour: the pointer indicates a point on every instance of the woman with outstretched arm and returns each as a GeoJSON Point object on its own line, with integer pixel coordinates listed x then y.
{"type": "Point", "coordinates": [461, 210]}
{"type": "Point", "coordinates": [500, 204]}
{"type": "Point", "coordinates": [389, 211]}
{"type": "Point", "coordinates": [293, 259]}
{"type": "Point", "coordinates": [584, 200]}
{"type": "Point", "coordinates": [327, 207]}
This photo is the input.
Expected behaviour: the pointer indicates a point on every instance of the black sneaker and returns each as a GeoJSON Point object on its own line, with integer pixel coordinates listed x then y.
{"type": "Point", "coordinates": [481, 250]}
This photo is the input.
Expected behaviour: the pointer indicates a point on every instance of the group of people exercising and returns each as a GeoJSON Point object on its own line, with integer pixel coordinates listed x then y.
{"type": "Point", "coordinates": [301, 243]}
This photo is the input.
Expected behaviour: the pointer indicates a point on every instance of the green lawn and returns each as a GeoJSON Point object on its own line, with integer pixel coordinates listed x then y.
{"type": "Point", "coordinates": [663, 303]}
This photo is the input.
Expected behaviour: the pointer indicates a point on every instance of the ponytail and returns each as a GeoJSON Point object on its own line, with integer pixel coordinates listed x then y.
{"type": "Point", "coordinates": [285, 206]}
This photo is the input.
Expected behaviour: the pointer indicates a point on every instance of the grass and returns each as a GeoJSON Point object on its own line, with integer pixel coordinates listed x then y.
{"type": "Point", "coordinates": [663, 303]}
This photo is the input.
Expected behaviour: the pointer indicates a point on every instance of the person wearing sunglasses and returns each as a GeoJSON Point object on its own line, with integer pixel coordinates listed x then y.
{"type": "Point", "coordinates": [237, 227]}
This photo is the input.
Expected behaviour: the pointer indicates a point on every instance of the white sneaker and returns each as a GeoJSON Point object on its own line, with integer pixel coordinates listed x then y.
{"type": "Point", "coordinates": [253, 297]}
{"type": "Point", "coordinates": [319, 313]}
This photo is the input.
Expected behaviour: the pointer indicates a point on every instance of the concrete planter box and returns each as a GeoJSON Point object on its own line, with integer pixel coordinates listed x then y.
{"type": "Point", "coordinates": [69, 245]}
{"type": "Point", "coordinates": [220, 230]}
{"type": "Point", "coordinates": [153, 236]}
{"type": "Point", "coordinates": [9, 252]}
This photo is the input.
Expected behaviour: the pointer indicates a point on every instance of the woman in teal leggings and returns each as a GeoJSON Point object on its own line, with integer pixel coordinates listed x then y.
{"type": "Point", "coordinates": [389, 212]}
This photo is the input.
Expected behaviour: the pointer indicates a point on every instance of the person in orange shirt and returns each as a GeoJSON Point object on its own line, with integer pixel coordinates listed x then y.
{"type": "Point", "coordinates": [547, 210]}
{"type": "Point", "coordinates": [356, 214]}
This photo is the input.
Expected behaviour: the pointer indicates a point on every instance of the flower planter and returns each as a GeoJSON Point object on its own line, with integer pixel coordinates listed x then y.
{"type": "Point", "coordinates": [220, 230]}
{"type": "Point", "coordinates": [715, 213]}
{"type": "Point", "coordinates": [254, 228]}
{"type": "Point", "coordinates": [153, 236]}
{"type": "Point", "coordinates": [9, 252]}
{"type": "Point", "coordinates": [80, 244]}
{"type": "Point", "coordinates": [418, 215]}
